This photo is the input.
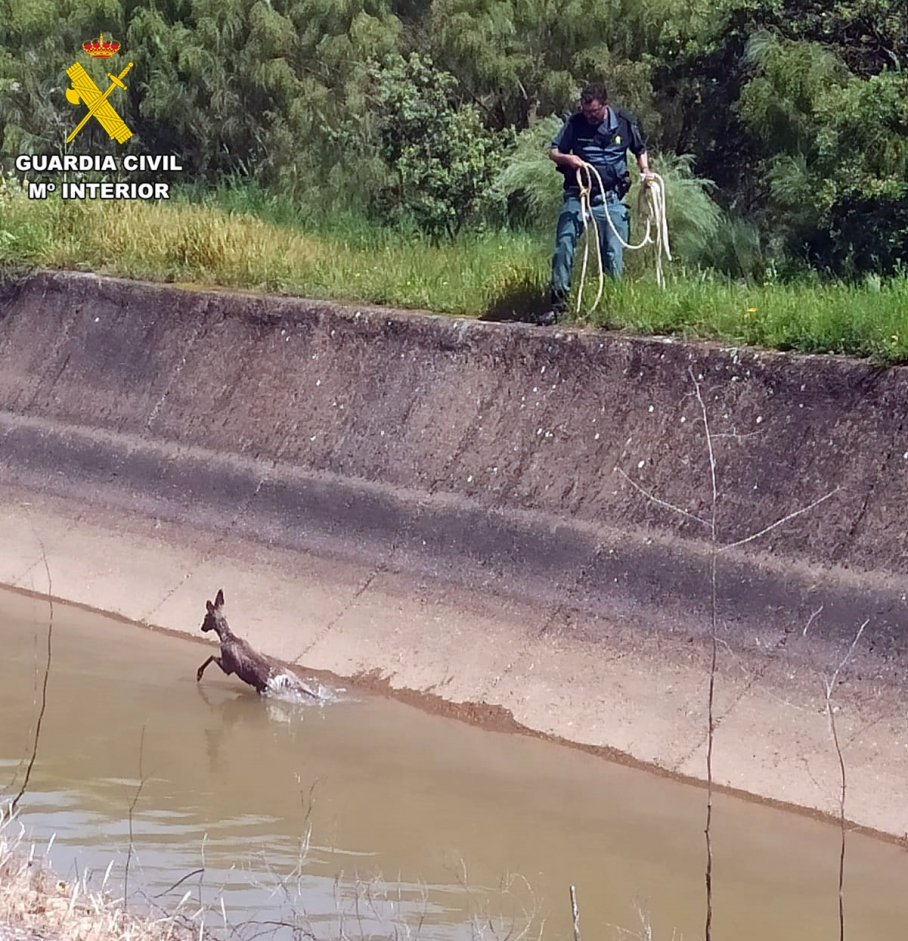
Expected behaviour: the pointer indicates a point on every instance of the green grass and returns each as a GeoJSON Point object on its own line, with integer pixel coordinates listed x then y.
{"type": "Point", "coordinates": [869, 319]}
{"type": "Point", "coordinates": [256, 242]}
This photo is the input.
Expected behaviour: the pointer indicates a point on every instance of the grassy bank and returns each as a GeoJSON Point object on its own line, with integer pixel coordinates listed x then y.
{"type": "Point", "coordinates": [495, 275]}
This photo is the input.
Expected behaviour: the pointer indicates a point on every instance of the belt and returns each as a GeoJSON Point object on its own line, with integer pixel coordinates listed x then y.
{"type": "Point", "coordinates": [609, 194]}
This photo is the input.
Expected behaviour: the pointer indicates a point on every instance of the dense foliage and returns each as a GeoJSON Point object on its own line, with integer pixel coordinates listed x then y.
{"type": "Point", "coordinates": [429, 112]}
{"type": "Point", "coordinates": [437, 157]}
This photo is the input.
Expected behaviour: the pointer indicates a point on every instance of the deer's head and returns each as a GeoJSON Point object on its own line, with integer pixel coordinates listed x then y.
{"type": "Point", "coordinates": [214, 619]}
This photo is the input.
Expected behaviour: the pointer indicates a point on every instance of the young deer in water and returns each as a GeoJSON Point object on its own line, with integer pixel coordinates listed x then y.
{"type": "Point", "coordinates": [237, 656]}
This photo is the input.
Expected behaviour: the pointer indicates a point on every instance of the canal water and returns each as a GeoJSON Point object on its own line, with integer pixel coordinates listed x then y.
{"type": "Point", "coordinates": [366, 817]}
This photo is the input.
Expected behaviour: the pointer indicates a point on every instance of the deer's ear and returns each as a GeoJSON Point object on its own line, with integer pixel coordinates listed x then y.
{"type": "Point", "coordinates": [209, 606]}
{"type": "Point", "coordinates": [219, 601]}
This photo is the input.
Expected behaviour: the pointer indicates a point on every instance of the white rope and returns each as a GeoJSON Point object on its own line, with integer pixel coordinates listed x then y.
{"type": "Point", "coordinates": [589, 221]}
{"type": "Point", "coordinates": [650, 205]}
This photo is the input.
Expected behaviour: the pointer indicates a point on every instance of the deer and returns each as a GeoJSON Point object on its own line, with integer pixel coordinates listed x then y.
{"type": "Point", "coordinates": [239, 657]}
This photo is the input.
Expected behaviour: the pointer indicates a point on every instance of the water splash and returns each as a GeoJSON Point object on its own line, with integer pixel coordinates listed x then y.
{"type": "Point", "coordinates": [287, 687]}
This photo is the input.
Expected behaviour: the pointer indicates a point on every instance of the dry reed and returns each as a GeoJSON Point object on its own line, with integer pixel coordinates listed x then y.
{"type": "Point", "coordinates": [35, 904]}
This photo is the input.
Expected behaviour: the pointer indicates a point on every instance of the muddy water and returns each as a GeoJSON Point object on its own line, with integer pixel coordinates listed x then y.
{"type": "Point", "coordinates": [366, 810]}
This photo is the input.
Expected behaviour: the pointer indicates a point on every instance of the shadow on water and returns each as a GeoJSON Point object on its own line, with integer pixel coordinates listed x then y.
{"type": "Point", "coordinates": [365, 810]}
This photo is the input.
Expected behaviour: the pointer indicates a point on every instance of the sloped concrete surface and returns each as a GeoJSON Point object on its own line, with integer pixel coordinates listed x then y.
{"type": "Point", "coordinates": [558, 480]}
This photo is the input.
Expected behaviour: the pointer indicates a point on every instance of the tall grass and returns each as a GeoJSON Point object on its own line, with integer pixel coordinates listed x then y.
{"type": "Point", "coordinates": [246, 239]}
{"type": "Point", "coordinates": [35, 904]}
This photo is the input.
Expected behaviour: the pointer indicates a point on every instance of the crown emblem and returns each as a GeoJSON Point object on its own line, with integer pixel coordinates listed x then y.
{"type": "Point", "coordinates": [101, 48]}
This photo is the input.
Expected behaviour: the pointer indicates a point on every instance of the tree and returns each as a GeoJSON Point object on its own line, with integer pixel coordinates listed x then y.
{"type": "Point", "coordinates": [869, 36]}
{"type": "Point", "coordinates": [440, 156]}
{"type": "Point", "coordinates": [833, 154]}
{"type": "Point", "coordinates": [520, 59]}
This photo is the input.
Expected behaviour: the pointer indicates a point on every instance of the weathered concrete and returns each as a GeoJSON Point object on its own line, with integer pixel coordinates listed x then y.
{"type": "Point", "coordinates": [486, 456]}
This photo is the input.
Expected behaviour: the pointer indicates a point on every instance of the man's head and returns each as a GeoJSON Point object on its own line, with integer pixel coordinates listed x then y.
{"type": "Point", "coordinates": [593, 101]}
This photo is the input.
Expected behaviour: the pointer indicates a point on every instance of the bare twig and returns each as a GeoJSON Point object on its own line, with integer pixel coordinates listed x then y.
{"type": "Point", "coordinates": [814, 615]}
{"type": "Point", "coordinates": [658, 502]}
{"type": "Point", "coordinates": [576, 913]}
{"type": "Point", "coordinates": [132, 807]}
{"type": "Point", "coordinates": [309, 805]}
{"type": "Point", "coordinates": [714, 651]}
{"type": "Point", "coordinates": [179, 881]}
{"type": "Point", "coordinates": [646, 929]}
{"type": "Point", "coordinates": [50, 634]}
{"type": "Point", "coordinates": [202, 871]}
{"type": "Point", "coordinates": [830, 713]}
{"type": "Point", "coordinates": [785, 519]}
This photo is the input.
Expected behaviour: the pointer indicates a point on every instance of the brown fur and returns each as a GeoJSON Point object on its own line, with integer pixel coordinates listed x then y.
{"type": "Point", "coordinates": [237, 656]}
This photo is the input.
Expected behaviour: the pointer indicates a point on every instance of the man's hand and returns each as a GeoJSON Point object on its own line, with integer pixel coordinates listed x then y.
{"type": "Point", "coordinates": [565, 161]}
{"type": "Point", "coordinates": [646, 177]}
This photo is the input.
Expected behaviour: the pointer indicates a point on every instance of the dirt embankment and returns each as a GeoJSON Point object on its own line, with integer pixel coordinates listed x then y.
{"type": "Point", "coordinates": [567, 471]}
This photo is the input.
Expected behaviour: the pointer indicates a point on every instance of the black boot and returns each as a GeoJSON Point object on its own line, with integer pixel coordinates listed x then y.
{"type": "Point", "coordinates": [555, 314]}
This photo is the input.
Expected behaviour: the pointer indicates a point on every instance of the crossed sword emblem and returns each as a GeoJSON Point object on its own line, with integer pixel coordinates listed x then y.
{"type": "Point", "coordinates": [98, 105]}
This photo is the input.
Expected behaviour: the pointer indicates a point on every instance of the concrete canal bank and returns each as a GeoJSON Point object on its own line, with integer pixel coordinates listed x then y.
{"type": "Point", "coordinates": [492, 514]}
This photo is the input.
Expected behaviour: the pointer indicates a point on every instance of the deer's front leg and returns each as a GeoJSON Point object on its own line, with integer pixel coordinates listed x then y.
{"type": "Point", "coordinates": [203, 667]}
{"type": "Point", "coordinates": [219, 661]}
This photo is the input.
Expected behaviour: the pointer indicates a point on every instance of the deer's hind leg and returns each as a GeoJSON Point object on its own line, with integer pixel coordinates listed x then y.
{"type": "Point", "coordinates": [204, 666]}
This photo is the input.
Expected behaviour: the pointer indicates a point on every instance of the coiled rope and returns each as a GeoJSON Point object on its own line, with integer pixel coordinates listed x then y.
{"type": "Point", "coordinates": [650, 205]}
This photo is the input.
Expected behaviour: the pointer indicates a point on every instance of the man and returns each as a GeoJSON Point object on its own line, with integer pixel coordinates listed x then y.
{"type": "Point", "coordinates": [600, 135]}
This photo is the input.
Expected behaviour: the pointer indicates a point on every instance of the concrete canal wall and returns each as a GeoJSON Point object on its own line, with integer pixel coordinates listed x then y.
{"type": "Point", "coordinates": [564, 470]}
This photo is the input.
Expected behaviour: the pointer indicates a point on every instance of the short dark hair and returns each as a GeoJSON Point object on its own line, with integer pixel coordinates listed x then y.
{"type": "Point", "coordinates": [593, 93]}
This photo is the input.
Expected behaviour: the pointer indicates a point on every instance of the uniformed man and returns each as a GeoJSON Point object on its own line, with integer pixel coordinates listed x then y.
{"type": "Point", "coordinates": [601, 135]}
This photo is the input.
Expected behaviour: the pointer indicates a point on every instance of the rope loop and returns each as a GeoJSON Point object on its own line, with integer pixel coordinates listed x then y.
{"type": "Point", "coordinates": [650, 205]}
